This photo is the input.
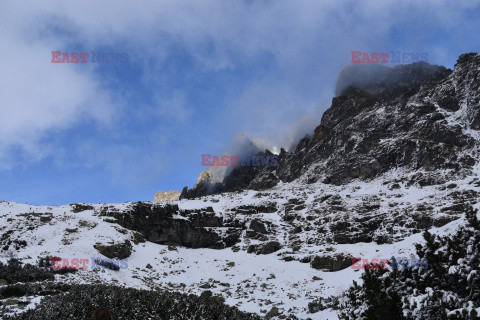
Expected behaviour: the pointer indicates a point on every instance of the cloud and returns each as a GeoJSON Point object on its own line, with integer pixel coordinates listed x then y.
{"type": "Point", "coordinates": [173, 106]}
{"type": "Point", "coordinates": [38, 98]}
{"type": "Point", "coordinates": [282, 58]}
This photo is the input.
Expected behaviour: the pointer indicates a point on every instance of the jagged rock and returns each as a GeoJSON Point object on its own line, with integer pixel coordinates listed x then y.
{"type": "Point", "coordinates": [238, 178]}
{"type": "Point", "coordinates": [162, 196]}
{"type": "Point", "coordinates": [157, 224]}
{"type": "Point", "coordinates": [274, 312]}
{"type": "Point", "coordinates": [387, 82]}
{"type": "Point", "coordinates": [254, 209]}
{"type": "Point", "coordinates": [332, 263]}
{"type": "Point", "coordinates": [79, 207]}
{"type": "Point", "coordinates": [257, 226]}
{"type": "Point", "coordinates": [138, 238]}
{"type": "Point", "coordinates": [441, 221]}
{"type": "Point", "coordinates": [269, 247]}
{"type": "Point", "coordinates": [205, 185]}
{"type": "Point", "coordinates": [118, 251]}
{"type": "Point", "coordinates": [393, 120]}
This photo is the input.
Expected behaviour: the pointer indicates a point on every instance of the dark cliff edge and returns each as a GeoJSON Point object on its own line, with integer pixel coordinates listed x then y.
{"type": "Point", "coordinates": [167, 224]}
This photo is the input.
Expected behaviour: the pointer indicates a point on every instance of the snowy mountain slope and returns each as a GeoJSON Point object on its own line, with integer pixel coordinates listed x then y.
{"type": "Point", "coordinates": [253, 282]}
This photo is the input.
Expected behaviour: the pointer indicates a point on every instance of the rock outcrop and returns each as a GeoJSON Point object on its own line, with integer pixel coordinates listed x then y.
{"type": "Point", "coordinates": [332, 263]}
{"type": "Point", "coordinates": [117, 251]}
{"type": "Point", "coordinates": [162, 196]}
{"type": "Point", "coordinates": [167, 224]}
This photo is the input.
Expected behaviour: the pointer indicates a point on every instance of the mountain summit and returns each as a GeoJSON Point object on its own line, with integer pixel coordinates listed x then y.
{"type": "Point", "coordinates": [420, 118]}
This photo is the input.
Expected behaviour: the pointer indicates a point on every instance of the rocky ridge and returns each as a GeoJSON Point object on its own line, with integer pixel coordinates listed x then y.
{"type": "Point", "coordinates": [418, 117]}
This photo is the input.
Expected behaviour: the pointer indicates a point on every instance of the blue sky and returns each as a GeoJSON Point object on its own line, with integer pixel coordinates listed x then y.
{"type": "Point", "coordinates": [199, 73]}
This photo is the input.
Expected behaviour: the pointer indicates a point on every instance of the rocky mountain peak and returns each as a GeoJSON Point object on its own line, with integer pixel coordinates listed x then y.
{"type": "Point", "coordinates": [388, 82]}
{"type": "Point", "coordinates": [414, 117]}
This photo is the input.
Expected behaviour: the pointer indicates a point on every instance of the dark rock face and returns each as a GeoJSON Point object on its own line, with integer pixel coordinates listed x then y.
{"type": "Point", "coordinates": [6, 242]}
{"type": "Point", "coordinates": [397, 118]}
{"type": "Point", "coordinates": [386, 82]}
{"type": "Point", "coordinates": [240, 178]}
{"type": "Point", "coordinates": [465, 84]}
{"type": "Point", "coordinates": [254, 209]}
{"type": "Point", "coordinates": [266, 248]}
{"type": "Point", "coordinates": [78, 207]}
{"type": "Point", "coordinates": [118, 251]}
{"type": "Point", "coordinates": [331, 263]}
{"type": "Point", "coordinates": [257, 226]}
{"type": "Point", "coordinates": [192, 229]}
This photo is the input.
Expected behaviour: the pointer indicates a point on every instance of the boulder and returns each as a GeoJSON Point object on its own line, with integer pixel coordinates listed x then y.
{"type": "Point", "coordinates": [118, 251]}
{"type": "Point", "coordinates": [332, 263]}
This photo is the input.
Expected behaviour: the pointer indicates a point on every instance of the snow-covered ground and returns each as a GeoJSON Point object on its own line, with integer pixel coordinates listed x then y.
{"type": "Point", "coordinates": [253, 283]}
